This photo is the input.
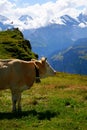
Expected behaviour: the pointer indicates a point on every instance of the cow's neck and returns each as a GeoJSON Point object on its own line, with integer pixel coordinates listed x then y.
{"type": "Point", "coordinates": [37, 75]}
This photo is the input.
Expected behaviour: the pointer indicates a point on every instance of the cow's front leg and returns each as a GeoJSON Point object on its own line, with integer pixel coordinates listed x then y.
{"type": "Point", "coordinates": [14, 101]}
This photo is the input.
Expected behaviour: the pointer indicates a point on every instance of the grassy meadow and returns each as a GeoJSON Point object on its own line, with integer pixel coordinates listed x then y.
{"type": "Point", "coordinates": [57, 103]}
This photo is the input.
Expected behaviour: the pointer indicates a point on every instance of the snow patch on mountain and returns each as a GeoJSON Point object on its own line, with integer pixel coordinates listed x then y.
{"type": "Point", "coordinates": [28, 22]}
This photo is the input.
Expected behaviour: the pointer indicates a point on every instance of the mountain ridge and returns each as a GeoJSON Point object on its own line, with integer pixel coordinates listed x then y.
{"type": "Point", "coordinates": [72, 59]}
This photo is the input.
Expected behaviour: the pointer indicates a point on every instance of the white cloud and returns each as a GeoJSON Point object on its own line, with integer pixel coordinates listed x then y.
{"type": "Point", "coordinates": [6, 7]}
{"type": "Point", "coordinates": [44, 13]}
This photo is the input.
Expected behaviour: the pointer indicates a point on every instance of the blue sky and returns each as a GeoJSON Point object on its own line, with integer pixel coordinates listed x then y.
{"type": "Point", "coordinates": [20, 3]}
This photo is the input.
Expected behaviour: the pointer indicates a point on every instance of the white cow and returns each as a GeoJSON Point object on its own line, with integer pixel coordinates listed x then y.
{"type": "Point", "coordinates": [18, 75]}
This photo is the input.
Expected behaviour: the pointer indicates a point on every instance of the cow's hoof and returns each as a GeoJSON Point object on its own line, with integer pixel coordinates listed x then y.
{"type": "Point", "coordinates": [19, 110]}
{"type": "Point", "coordinates": [14, 111]}
{"type": "Point", "coordinates": [38, 80]}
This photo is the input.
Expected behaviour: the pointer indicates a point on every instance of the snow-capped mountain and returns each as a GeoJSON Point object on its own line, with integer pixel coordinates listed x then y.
{"type": "Point", "coordinates": [3, 18]}
{"type": "Point", "coordinates": [82, 18]}
{"type": "Point", "coordinates": [62, 20]}
{"type": "Point", "coordinates": [25, 18]}
{"type": "Point", "coordinates": [4, 23]}
{"type": "Point", "coordinates": [67, 20]}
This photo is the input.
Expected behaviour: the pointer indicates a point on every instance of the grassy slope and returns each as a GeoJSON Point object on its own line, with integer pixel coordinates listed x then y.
{"type": "Point", "coordinates": [13, 45]}
{"type": "Point", "coordinates": [57, 103]}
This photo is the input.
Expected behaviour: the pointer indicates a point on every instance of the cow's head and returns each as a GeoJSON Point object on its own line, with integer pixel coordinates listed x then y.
{"type": "Point", "coordinates": [44, 67]}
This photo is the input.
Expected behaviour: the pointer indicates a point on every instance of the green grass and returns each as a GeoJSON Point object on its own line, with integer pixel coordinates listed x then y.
{"type": "Point", "coordinates": [57, 103]}
{"type": "Point", "coordinates": [13, 45]}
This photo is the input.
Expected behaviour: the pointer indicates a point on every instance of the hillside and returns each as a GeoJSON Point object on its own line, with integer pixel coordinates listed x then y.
{"type": "Point", "coordinates": [72, 59]}
{"type": "Point", "coordinates": [13, 45]}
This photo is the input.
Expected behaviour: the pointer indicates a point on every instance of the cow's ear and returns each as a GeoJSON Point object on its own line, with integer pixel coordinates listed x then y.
{"type": "Point", "coordinates": [45, 58]}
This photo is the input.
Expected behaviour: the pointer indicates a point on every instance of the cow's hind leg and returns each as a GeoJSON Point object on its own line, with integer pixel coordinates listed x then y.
{"type": "Point", "coordinates": [16, 98]}
{"type": "Point", "coordinates": [19, 102]}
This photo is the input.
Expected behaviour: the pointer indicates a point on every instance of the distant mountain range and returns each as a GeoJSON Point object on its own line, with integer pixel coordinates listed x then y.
{"type": "Point", "coordinates": [53, 37]}
{"type": "Point", "coordinates": [72, 59]}
{"type": "Point", "coordinates": [60, 40]}
{"type": "Point", "coordinates": [3, 18]}
{"type": "Point", "coordinates": [4, 23]}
